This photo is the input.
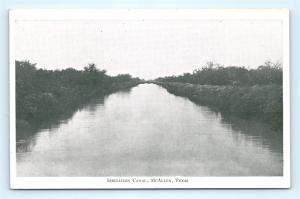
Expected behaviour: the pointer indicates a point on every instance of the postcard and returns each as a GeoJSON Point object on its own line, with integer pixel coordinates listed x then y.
{"type": "Point", "coordinates": [149, 98]}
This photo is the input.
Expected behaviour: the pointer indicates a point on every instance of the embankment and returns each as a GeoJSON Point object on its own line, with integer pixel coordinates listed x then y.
{"type": "Point", "coordinates": [263, 103]}
{"type": "Point", "coordinates": [48, 108]}
{"type": "Point", "coordinates": [44, 97]}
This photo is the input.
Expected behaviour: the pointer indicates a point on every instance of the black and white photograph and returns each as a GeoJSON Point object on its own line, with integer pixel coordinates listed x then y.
{"type": "Point", "coordinates": [185, 98]}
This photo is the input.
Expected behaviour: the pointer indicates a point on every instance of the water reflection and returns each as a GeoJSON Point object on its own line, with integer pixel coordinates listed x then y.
{"type": "Point", "coordinates": [149, 132]}
{"type": "Point", "coordinates": [26, 140]}
{"type": "Point", "coordinates": [256, 131]}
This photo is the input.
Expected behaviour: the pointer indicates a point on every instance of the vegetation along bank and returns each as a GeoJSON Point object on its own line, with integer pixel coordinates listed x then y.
{"type": "Point", "coordinates": [247, 93]}
{"type": "Point", "coordinates": [44, 95]}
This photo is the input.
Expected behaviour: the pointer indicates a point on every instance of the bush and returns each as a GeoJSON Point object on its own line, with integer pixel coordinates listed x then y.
{"type": "Point", "coordinates": [260, 102]}
{"type": "Point", "coordinates": [45, 94]}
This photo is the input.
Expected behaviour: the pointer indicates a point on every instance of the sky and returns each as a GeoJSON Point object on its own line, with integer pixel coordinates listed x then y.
{"type": "Point", "coordinates": [148, 48]}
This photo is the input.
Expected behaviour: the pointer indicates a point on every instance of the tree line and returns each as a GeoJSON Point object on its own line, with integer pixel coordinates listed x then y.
{"type": "Point", "coordinates": [215, 74]}
{"type": "Point", "coordinates": [248, 93]}
{"type": "Point", "coordinates": [43, 94]}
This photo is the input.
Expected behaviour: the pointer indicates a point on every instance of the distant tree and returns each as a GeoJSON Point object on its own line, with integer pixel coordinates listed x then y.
{"type": "Point", "coordinates": [91, 68]}
{"type": "Point", "coordinates": [122, 77]}
{"type": "Point", "coordinates": [216, 74]}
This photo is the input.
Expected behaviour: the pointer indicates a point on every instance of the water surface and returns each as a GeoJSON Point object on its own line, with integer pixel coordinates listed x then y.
{"type": "Point", "coordinates": [149, 132]}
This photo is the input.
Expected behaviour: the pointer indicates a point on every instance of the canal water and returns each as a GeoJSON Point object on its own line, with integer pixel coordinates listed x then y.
{"type": "Point", "coordinates": [147, 131]}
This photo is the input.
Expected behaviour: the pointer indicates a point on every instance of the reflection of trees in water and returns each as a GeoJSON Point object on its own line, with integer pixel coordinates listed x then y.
{"type": "Point", "coordinates": [25, 145]}
{"type": "Point", "coordinates": [25, 137]}
{"type": "Point", "coordinates": [25, 140]}
{"type": "Point", "coordinates": [94, 103]}
{"type": "Point", "coordinates": [256, 131]}
{"type": "Point", "coordinates": [50, 123]}
{"type": "Point", "coordinates": [122, 93]}
{"type": "Point", "coordinates": [254, 128]}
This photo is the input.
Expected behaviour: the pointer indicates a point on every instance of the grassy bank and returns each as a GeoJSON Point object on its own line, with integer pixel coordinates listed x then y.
{"type": "Point", "coordinates": [259, 102]}
{"type": "Point", "coordinates": [44, 95]}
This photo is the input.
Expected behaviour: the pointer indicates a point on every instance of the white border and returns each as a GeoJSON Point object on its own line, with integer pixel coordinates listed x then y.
{"type": "Point", "coordinates": [180, 14]}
